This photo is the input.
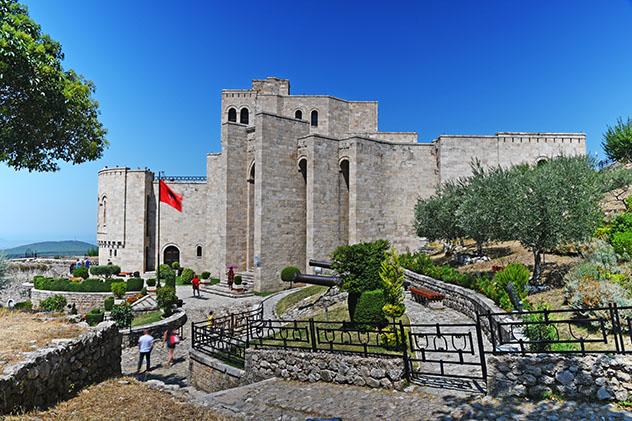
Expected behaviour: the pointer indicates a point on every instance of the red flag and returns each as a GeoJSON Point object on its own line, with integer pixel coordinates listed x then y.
{"type": "Point", "coordinates": [170, 197]}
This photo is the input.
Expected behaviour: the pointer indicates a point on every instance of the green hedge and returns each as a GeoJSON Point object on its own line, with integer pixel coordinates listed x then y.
{"type": "Point", "coordinates": [288, 273]}
{"type": "Point", "coordinates": [108, 303]}
{"type": "Point", "coordinates": [205, 275]}
{"type": "Point", "coordinates": [238, 280]}
{"type": "Point", "coordinates": [23, 305]}
{"type": "Point", "coordinates": [187, 275]}
{"type": "Point", "coordinates": [54, 303]}
{"type": "Point", "coordinates": [61, 284]}
{"type": "Point", "coordinates": [80, 273]}
{"type": "Point", "coordinates": [105, 270]}
{"type": "Point", "coordinates": [118, 289]}
{"type": "Point", "coordinates": [151, 282]}
{"type": "Point", "coordinates": [135, 284]}
{"type": "Point", "coordinates": [95, 316]}
{"type": "Point", "coordinates": [215, 281]}
{"type": "Point", "coordinates": [369, 308]}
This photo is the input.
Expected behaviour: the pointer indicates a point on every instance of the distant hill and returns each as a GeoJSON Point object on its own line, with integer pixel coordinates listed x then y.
{"type": "Point", "coordinates": [50, 248]}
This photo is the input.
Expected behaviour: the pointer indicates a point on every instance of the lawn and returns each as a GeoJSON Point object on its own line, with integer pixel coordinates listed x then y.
{"type": "Point", "coordinates": [24, 332]}
{"type": "Point", "coordinates": [147, 317]}
{"type": "Point", "coordinates": [291, 300]}
{"type": "Point", "coordinates": [121, 399]}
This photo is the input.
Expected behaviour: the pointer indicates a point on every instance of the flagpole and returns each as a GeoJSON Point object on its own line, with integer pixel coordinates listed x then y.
{"type": "Point", "coordinates": [158, 230]}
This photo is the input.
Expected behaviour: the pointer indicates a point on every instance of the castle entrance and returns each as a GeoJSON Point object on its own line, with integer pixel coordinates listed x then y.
{"type": "Point", "coordinates": [171, 254]}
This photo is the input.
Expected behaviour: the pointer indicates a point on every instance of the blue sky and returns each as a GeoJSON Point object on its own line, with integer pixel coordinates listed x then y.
{"type": "Point", "coordinates": [436, 67]}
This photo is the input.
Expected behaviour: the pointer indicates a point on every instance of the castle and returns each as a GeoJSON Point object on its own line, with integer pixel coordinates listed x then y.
{"type": "Point", "coordinates": [297, 176]}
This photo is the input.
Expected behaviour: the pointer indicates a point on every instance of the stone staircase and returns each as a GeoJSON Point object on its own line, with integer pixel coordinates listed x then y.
{"type": "Point", "coordinates": [247, 285]}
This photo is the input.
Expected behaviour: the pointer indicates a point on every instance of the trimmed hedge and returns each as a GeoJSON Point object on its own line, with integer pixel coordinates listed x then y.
{"type": "Point", "coordinates": [369, 308]}
{"type": "Point", "coordinates": [95, 316]}
{"type": "Point", "coordinates": [61, 284]}
{"type": "Point", "coordinates": [215, 281]}
{"type": "Point", "coordinates": [205, 275]}
{"type": "Point", "coordinates": [135, 284]}
{"type": "Point", "coordinates": [289, 273]}
{"type": "Point", "coordinates": [80, 273]}
{"type": "Point", "coordinates": [54, 303]}
{"type": "Point", "coordinates": [151, 282]}
{"type": "Point", "coordinates": [23, 305]}
{"type": "Point", "coordinates": [105, 270]}
{"type": "Point", "coordinates": [108, 303]}
{"type": "Point", "coordinates": [238, 280]}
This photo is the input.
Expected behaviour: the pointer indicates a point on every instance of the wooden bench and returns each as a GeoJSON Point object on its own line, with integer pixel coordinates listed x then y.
{"type": "Point", "coordinates": [423, 295]}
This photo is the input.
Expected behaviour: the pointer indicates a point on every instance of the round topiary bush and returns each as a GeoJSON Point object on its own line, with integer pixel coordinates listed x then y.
{"type": "Point", "coordinates": [166, 298]}
{"type": "Point", "coordinates": [369, 308]}
{"type": "Point", "coordinates": [119, 289]}
{"type": "Point", "coordinates": [122, 315]}
{"type": "Point", "coordinates": [95, 316]}
{"type": "Point", "coordinates": [80, 272]}
{"type": "Point", "coordinates": [151, 282]}
{"type": "Point", "coordinates": [238, 280]}
{"type": "Point", "coordinates": [288, 274]}
{"type": "Point", "coordinates": [187, 275]}
{"type": "Point", "coordinates": [205, 275]}
{"type": "Point", "coordinates": [108, 303]}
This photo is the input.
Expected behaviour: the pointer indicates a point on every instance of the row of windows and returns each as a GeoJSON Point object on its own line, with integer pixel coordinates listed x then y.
{"type": "Point", "coordinates": [244, 116]}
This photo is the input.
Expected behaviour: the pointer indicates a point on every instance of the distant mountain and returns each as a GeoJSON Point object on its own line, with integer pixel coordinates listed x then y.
{"type": "Point", "coordinates": [50, 248]}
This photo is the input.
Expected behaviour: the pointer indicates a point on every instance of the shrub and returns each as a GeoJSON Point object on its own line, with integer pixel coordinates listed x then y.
{"type": "Point", "coordinates": [151, 282]}
{"type": "Point", "coordinates": [166, 299]}
{"type": "Point", "coordinates": [539, 331]}
{"type": "Point", "coordinates": [108, 303]}
{"type": "Point", "coordinates": [205, 275]}
{"type": "Point", "coordinates": [54, 303]}
{"type": "Point", "coordinates": [62, 284]}
{"type": "Point", "coordinates": [603, 254]}
{"type": "Point", "coordinates": [289, 272]}
{"type": "Point", "coordinates": [95, 316]}
{"type": "Point", "coordinates": [392, 276]}
{"type": "Point", "coordinates": [105, 270]}
{"type": "Point", "coordinates": [369, 308]}
{"type": "Point", "coordinates": [416, 262]}
{"type": "Point", "coordinates": [388, 338]}
{"type": "Point", "coordinates": [187, 275]}
{"type": "Point", "coordinates": [122, 315]}
{"type": "Point", "coordinates": [238, 280]}
{"type": "Point", "coordinates": [622, 243]}
{"type": "Point", "coordinates": [136, 274]}
{"type": "Point", "coordinates": [135, 284]}
{"type": "Point", "coordinates": [119, 289]}
{"type": "Point", "coordinates": [81, 272]}
{"type": "Point", "coordinates": [143, 291]}
{"type": "Point", "coordinates": [517, 275]}
{"type": "Point", "coordinates": [170, 283]}
{"type": "Point", "coordinates": [175, 265]}
{"type": "Point", "coordinates": [166, 274]}
{"type": "Point", "coordinates": [23, 305]}
{"type": "Point", "coordinates": [215, 281]}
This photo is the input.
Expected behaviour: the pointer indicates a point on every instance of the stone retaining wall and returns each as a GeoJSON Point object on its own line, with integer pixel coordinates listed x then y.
{"type": "Point", "coordinates": [382, 372]}
{"type": "Point", "coordinates": [464, 300]}
{"type": "Point", "coordinates": [591, 377]}
{"type": "Point", "coordinates": [59, 371]}
{"type": "Point", "coordinates": [84, 301]}
{"type": "Point", "coordinates": [157, 329]}
{"type": "Point", "coordinates": [212, 375]}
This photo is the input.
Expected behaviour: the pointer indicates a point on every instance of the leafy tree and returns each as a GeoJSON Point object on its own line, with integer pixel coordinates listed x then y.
{"type": "Point", "coordinates": [392, 276]}
{"type": "Point", "coordinates": [166, 298]}
{"type": "Point", "coordinates": [617, 141]}
{"type": "Point", "coordinates": [554, 203]}
{"type": "Point", "coordinates": [359, 266]}
{"type": "Point", "coordinates": [122, 315]}
{"type": "Point", "coordinates": [435, 216]}
{"type": "Point", "coordinates": [616, 181]}
{"type": "Point", "coordinates": [47, 113]}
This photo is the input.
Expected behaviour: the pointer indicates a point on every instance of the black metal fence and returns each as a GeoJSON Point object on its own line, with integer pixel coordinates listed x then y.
{"type": "Point", "coordinates": [439, 349]}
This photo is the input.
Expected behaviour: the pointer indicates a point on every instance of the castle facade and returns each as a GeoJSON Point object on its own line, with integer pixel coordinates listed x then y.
{"type": "Point", "coordinates": [297, 176]}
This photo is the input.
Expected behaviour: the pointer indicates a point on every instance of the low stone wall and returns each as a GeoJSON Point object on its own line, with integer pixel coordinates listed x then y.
{"type": "Point", "coordinates": [84, 301]}
{"type": "Point", "coordinates": [56, 373]}
{"type": "Point", "coordinates": [157, 329]}
{"type": "Point", "coordinates": [382, 372]}
{"type": "Point", "coordinates": [211, 375]}
{"type": "Point", "coordinates": [592, 377]}
{"type": "Point", "coordinates": [464, 300]}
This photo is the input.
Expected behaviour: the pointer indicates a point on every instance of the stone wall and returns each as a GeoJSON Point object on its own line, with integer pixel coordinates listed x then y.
{"type": "Point", "coordinates": [22, 271]}
{"type": "Point", "coordinates": [382, 372]}
{"type": "Point", "coordinates": [84, 301]}
{"type": "Point", "coordinates": [61, 370]}
{"type": "Point", "coordinates": [211, 375]}
{"type": "Point", "coordinates": [157, 330]}
{"type": "Point", "coordinates": [592, 377]}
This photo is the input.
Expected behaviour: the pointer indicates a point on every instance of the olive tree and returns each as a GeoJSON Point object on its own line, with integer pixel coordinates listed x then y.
{"type": "Point", "coordinates": [617, 141]}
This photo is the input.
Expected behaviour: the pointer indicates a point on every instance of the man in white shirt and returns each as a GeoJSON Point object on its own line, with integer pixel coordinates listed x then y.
{"type": "Point", "coordinates": [145, 345]}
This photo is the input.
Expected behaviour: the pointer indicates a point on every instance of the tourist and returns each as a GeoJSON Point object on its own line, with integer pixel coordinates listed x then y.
{"type": "Point", "coordinates": [195, 283]}
{"type": "Point", "coordinates": [171, 339]}
{"type": "Point", "coordinates": [231, 277]}
{"type": "Point", "coordinates": [72, 267]}
{"type": "Point", "coordinates": [210, 319]}
{"type": "Point", "coordinates": [78, 264]}
{"type": "Point", "coordinates": [145, 345]}
{"type": "Point", "coordinates": [87, 263]}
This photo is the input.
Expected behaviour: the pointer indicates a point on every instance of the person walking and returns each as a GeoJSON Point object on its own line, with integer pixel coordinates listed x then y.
{"type": "Point", "coordinates": [87, 263]}
{"type": "Point", "coordinates": [145, 345]}
{"type": "Point", "coordinates": [195, 283]}
{"type": "Point", "coordinates": [171, 339]}
{"type": "Point", "coordinates": [210, 319]}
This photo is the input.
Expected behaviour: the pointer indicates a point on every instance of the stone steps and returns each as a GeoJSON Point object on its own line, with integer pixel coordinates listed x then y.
{"type": "Point", "coordinates": [224, 291]}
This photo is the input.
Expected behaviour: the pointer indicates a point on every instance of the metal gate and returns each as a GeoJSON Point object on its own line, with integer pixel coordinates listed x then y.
{"type": "Point", "coordinates": [446, 351]}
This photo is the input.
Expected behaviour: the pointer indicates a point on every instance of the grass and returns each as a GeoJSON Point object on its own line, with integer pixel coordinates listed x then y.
{"type": "Point", "coordinates": [264, 293]}
{"type": "Point", "coordinates": [29, 331]}
{"type": "Point", "coordinates": [147, 318]}
{"type": "Point", "coordinates": [120, 399]}
{"type": "Point", "coordinates": [294, 298]}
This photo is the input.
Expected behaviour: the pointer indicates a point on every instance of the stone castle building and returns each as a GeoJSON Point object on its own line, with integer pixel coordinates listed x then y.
{"type": "Point", "coordinates": [297, 176]}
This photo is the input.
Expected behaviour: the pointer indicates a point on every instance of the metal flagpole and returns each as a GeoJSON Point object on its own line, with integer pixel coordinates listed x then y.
{"type": "Point", "coordinates": [158, 230]}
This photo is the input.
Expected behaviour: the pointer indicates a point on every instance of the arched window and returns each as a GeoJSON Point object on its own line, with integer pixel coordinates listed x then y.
{"type": "Point", "coordinates": [232, 115]}
{"type": "Point", "coordinates": [314, 118]}
{"type": "Point", "coordinates": [198, 251]}
{"type": "Point", "coordinates": [105, 212]}
{"type": "Point", "coordinates": [170, 255]}
{"type": "Point", "coordinates": [298, 115]}
{"type": "Point", "coordinates": [243, 116]}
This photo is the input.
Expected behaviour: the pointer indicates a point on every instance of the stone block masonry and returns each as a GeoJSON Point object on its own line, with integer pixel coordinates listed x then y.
{"type": "Point", "coordinates": [83, 301]}
{"type": "Point", "coordinates": [589, 378]}
{"type": "Point", "coordinates": [58, 372]}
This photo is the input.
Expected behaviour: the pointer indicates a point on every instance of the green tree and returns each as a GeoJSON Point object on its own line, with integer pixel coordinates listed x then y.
{"type": "Point", "coordinates": [553, 204]}
{"type": "Point", "coordinates": [47, 113]}
{"type": "Point", "coordinates": [358, 266]}
{"type": "Point", "coordinates": [392, 276]}
{"type": "Point", "coordinates": [617, 141]}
